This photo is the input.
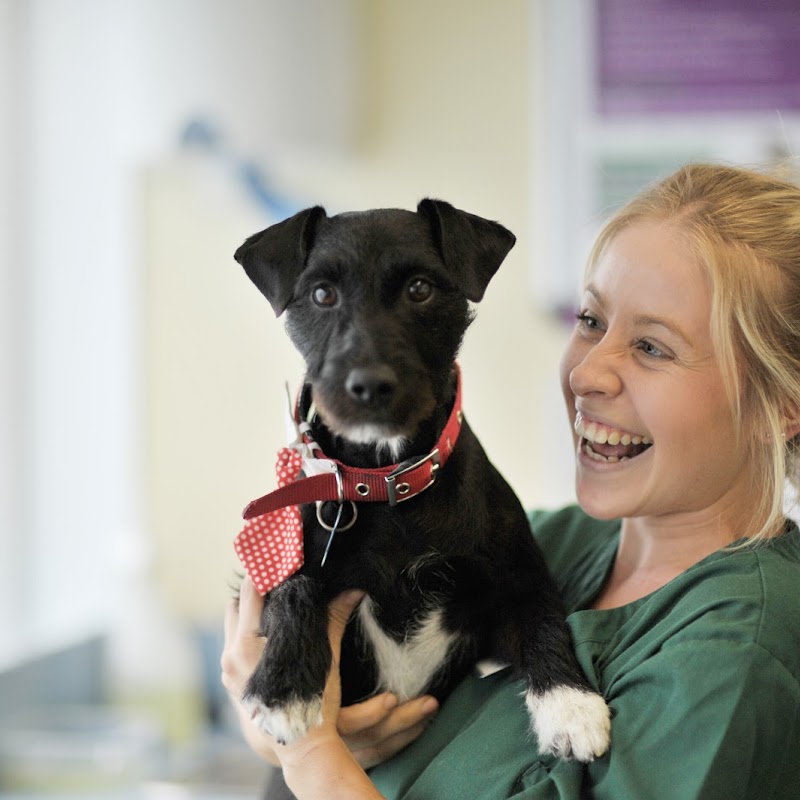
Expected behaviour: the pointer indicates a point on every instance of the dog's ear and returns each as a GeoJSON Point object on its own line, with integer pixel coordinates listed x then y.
{"type": "Point", "coordinates": [275, 257]}
{"type": "Point", "coordinates": [472, 247]}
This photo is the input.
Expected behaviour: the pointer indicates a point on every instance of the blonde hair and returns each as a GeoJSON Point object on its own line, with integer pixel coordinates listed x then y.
{"type": "Point", "coordinates": [743, 226]}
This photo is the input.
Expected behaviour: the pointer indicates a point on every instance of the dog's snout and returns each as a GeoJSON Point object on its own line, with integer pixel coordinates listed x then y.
{"type": "Point", "coordinates": [371, 385]}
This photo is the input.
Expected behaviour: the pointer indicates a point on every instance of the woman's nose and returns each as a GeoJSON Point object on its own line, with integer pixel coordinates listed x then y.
{"type": "Point", "coordinates": [597, 372]}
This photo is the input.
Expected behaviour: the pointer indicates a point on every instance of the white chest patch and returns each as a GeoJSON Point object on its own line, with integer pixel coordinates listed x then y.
{"type": "Point", "coordinates": [407, 667]}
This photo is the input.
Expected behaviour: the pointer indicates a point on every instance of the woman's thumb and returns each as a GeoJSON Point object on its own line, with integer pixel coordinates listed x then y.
{"type": "Point", "coordinates": [340, 610]}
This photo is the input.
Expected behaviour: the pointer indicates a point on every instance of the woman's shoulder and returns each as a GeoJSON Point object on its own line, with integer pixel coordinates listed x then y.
{"type": "Point", "coordinates": [770, 575]}
{"type": "Point", "coordinates": [739, 598]}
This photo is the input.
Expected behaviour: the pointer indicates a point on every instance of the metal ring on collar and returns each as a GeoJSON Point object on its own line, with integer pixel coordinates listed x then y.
{"type": "Point", "coordinates": [339, 483]}
{"type": "Point", "coordinates": [340, 527]}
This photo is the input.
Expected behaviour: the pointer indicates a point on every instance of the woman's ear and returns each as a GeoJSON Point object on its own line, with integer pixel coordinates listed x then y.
{"type": "Point", "coordinates": [791, 423]}
{"type": "Point", "coordinates": [791, 430]}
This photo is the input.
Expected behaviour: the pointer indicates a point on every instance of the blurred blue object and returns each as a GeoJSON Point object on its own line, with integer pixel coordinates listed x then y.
{"type": "Point", "coordinates": [203, 135]}
{"type": "Point", "coordinates": [68, 676]}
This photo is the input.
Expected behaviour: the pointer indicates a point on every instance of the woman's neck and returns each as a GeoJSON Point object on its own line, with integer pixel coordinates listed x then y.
{"type": "Point", "coordinates": [654, 551]}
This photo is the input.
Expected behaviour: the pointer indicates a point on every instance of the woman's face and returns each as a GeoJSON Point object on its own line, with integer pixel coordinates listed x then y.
{"type": "Point", "coordinates": [654, 431]}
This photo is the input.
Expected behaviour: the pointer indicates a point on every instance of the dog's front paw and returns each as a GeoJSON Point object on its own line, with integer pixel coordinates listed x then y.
{"type": "Point", "coordinates": [288, 721]}
{"type": "Point", "coordinates": [570, 723]}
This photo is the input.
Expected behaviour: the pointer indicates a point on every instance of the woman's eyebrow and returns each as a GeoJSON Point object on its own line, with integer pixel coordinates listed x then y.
{"type": "Point", "coordinates": [642, 319]}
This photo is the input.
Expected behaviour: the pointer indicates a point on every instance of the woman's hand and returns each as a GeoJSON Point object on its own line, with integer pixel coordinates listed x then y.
{"type": "Point", "coordinates": [374, 730]}
{"type": "Point", "coordinates": [380, 727]}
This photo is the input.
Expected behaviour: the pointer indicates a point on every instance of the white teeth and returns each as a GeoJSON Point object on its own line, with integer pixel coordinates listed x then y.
{"type": "Point", "coordinates": [587, 448]}
{"type": "Point", "coordinates": [602, 435]}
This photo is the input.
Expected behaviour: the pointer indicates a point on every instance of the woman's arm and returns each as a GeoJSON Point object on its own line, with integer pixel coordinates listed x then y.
{"type": "Point", "coordinates": [349, 739]}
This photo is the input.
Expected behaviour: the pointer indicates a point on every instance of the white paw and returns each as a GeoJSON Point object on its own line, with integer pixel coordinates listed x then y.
{"type": "Point", "coordinates": [570, 723]}
{"type": "Point", "coordinates": [285, 723]}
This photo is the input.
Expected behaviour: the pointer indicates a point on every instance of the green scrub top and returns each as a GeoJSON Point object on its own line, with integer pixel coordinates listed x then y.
{"type": "Point", "coordinates": [702, 676]}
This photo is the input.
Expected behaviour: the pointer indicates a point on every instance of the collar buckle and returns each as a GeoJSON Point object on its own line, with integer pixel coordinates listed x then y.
{"type": "Point", "coordinates": [398, 492]}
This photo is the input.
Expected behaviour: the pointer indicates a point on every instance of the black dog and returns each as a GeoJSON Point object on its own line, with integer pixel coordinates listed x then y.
{"type": "Point", "coordinates": [377, 303]}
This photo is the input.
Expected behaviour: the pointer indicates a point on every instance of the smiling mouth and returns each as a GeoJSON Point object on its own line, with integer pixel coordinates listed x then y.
{"type": "Point", "coordinates": [609, 445]}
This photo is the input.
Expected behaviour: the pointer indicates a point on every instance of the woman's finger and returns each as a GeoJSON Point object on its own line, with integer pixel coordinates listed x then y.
{"type": "Point", "coordinates": [339, 612]}
{"type": "Point", "coordinates": [379, 728]}
{"type": "Point", "coordinates": [366, 714]}
{"type": "Point", "coordinates": [231, 624]}
{"type": "Point", "coordinates": [385, 749]}
{"type": "Point", "coordinates": [402, 717]}
{"type": "Point", "coordinates": [243, 642]}
{"type": "Point", "coordinates": [395, 722]}
{"type": "Point", "coordinates": [251, 608]}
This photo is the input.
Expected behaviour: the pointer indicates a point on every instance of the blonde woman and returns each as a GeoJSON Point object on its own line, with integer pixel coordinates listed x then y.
{"type": "Point", "coordinates": [682, 575]}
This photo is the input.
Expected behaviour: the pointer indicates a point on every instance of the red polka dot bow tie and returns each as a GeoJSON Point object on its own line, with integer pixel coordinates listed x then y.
{"type": "Point", "coordinates": [270, 546]}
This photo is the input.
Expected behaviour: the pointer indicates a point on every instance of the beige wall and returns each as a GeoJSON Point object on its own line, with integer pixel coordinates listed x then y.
{"type": "Point", "coordinates": [447, 115]}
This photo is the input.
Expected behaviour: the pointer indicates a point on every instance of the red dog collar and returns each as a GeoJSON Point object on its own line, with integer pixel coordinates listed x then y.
{"type": "Point", "coordinates": [392, 484]}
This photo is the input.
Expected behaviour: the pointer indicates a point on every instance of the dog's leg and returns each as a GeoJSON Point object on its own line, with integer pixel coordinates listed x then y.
{"type": "Point", "coordinates": [284, 694]}
{"type": "Point", "coordinates": [569, 718]}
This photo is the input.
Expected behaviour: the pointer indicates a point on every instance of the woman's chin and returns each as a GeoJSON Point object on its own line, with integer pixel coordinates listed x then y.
{"type": "Point", "coordinates": [601, 504]}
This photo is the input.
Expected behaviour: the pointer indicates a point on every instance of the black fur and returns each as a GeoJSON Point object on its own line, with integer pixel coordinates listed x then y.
{"type": "Point", "coordinates": [376, 357]}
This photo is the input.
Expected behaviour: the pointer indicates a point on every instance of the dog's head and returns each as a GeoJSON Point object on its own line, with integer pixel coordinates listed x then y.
{"type": "Point", "coordinates": [377, 303]}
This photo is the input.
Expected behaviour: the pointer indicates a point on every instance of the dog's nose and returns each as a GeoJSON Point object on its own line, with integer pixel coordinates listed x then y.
{"type": "Point", "coordinates": [371, 385]}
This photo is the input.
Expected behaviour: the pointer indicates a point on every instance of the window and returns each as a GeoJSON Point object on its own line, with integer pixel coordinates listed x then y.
{"type": "Point", "coordinates": [628, 91]}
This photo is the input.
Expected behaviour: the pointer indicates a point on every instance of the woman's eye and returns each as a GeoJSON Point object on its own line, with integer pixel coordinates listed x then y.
{"type": "Point", "coordinates": [649, 349]}
{"type": "Point", "coordinates": [324, 295]}
{"type": "Point", "coordinates": [587, 320]}
{"type": "Point", "coordinates": [420, 290]}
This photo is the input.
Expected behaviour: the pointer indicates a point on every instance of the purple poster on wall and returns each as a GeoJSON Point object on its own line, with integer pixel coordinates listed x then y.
{"type": "Point", "coordinates": [684, 56]}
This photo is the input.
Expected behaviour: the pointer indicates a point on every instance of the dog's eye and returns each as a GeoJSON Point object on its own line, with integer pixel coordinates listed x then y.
{"type": "Point", "coordinates": [324, 295]}
{"type": "Point", "coordinates": [419, 290]}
